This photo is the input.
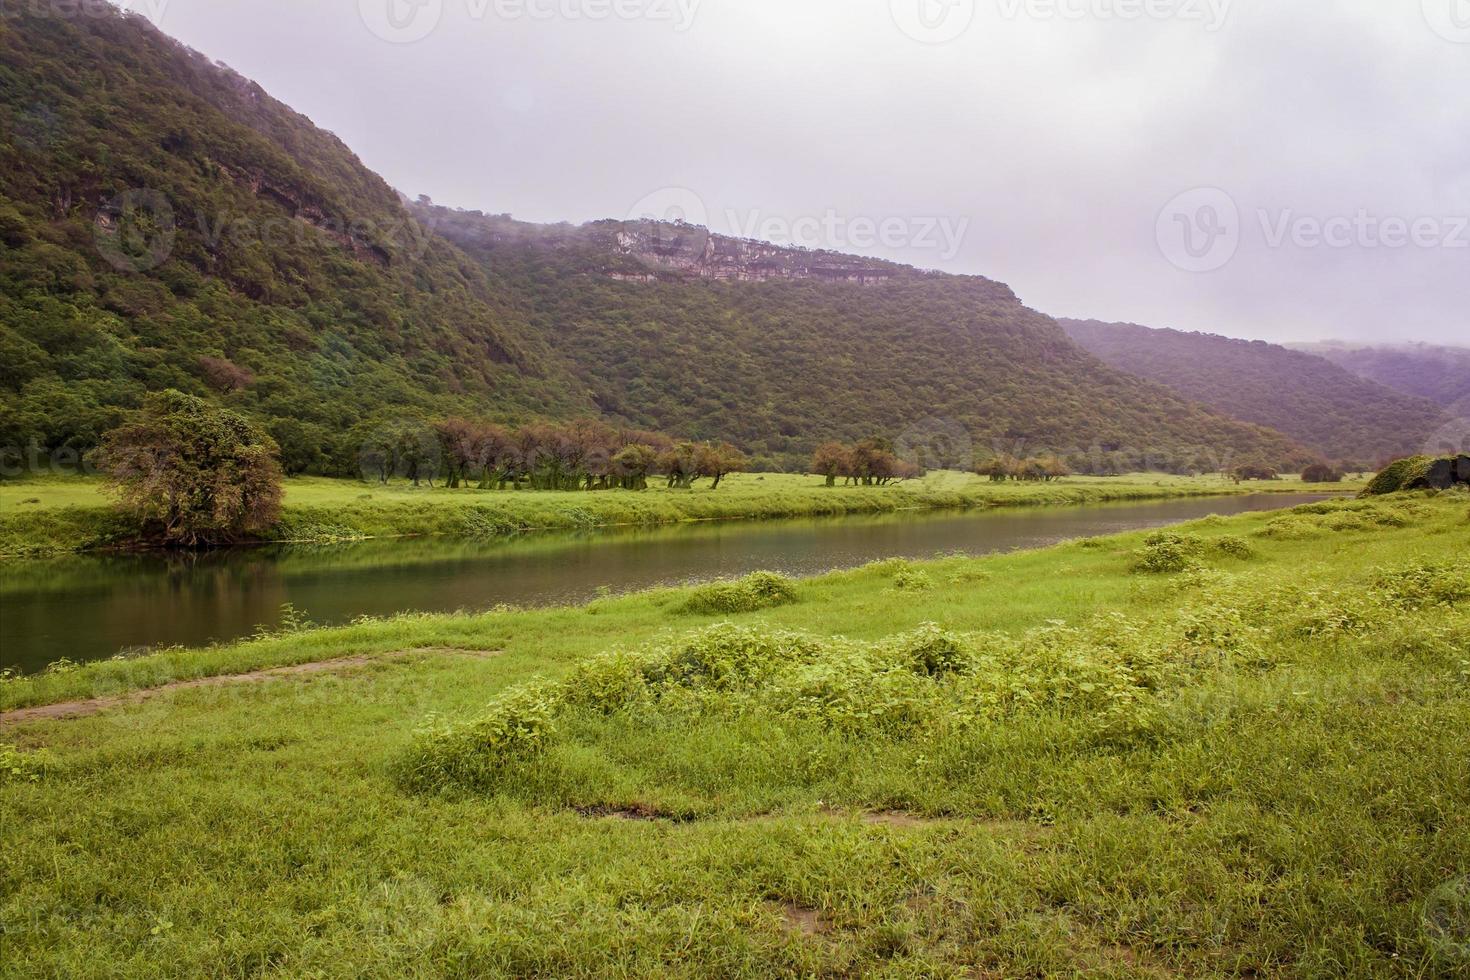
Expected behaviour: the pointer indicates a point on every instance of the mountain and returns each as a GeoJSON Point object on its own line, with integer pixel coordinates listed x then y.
{"type": "Point", "coordinates": [1342, 416]}
{"type": "Point", "coordinates": [673, 327]}
{"type": "Point", "coordinates": [165, 223]}
{"type": "Point", "coordinates": [1440, 374]}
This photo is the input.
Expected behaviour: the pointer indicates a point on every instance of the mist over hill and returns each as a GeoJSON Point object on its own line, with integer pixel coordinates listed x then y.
{"type": "Point", "coordinates": [1436, 372]}
{"type": "Point", "coordinates": [1344, 417]}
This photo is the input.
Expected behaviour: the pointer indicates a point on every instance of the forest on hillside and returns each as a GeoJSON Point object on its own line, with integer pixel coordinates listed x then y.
{"type": "Point", "coordinates": [167, 225]}
{"type": "Point", "coordinates": [1347, 419]}
{"type": "Point", "coordinates": [950, 366]}
{"type": "Point", "coordinates": [1440, 374]}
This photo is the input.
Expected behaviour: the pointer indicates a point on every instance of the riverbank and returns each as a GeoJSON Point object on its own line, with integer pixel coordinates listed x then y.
{"type": "Point", "coordinates": [54, 516]}
{"type": "Point", "coordinates": [91, 607]}
{"type": "Point", "coordinates": [1093, 769]}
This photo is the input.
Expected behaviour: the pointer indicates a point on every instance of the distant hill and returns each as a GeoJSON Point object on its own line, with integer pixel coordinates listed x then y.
{"type": "Point", "coordinates": [676, 328]}
{"type": "Point", "coordinates": [165, 223]}
{"type": "Point", "coordinates": [1344, 417]}
{"type": "Point", "coordinates": [1440, 374]}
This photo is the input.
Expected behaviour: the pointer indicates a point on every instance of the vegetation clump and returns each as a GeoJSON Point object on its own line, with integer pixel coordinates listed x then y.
{"type": "Point", "coordinates": [1234, 546]}
{"type": "Point", "coordinates": [1398, 475]}
{"type": "Point", "coordinates": [194, 474]}
{"type": "Point", "coordinates": [1166, 552]}
{"type": "Point", "coordinates": [1322, 473]}
{"type": "Point", "coordinates": [759, 590]}
{"type": "Point", "coordinates": [927, 683]}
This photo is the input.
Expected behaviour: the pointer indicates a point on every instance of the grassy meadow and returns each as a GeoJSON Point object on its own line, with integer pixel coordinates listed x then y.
{"type": "Point", "coordinates": [1236, 748]}
{"type": "Point", "coordinates": [46, 516]}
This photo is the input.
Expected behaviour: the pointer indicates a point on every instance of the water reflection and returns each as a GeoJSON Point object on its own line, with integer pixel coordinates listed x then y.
{"type": "Point", "coordinates": [90, 608]}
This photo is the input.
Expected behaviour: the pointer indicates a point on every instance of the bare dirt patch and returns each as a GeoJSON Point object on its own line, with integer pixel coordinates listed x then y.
{"type": "Point", "coordinates": [91, 706]}
{"type": "Point", "coordinates": [803, 920]}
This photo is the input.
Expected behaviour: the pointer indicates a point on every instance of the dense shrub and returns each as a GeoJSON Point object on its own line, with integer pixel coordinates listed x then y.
{"type": "Point", "coordinates": [1165, 552]}
{"type": "Point", "coordinates": [192, 473]}
{"type": "Point", "coordinates": [728, 694]}
{"type": "Point", "coordinates": [1321, 473]}
{"type": "Point", "coordinates": [517, 725]}
{"type": "Point", "coordinates": [1397, 475]}
{"type": "Point", "coordinates": [912, 580]}
{"type": "Point", "coordinates": [1235, 547]}
{"type": "Point", "coordinates": [759, 590]}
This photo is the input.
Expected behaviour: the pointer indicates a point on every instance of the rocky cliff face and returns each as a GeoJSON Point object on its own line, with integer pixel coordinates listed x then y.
{"type": "Point", "coordinates": [694, 252]}
{"type": "Point", "coordinates": [650, 251]}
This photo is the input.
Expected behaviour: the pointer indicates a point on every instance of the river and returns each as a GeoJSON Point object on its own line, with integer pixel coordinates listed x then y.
{"type": "Point", "coordinates": [94, 607]}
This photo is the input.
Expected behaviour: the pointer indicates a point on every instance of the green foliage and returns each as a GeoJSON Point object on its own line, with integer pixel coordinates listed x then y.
{"type": "Point", "coordinates": [294, 287]}
{"type": "Point", "coordinates": [1326, 407]}
{"type": "Point", "coordinates": [1397, 475]}
{"type": "Point", "coordinates": [1234, 546]}
{"type": "Point", "coordinates": [1179, 753]}
{"type": "Point", "coordinates": [759, 590]}
{"type": "Point", "coordinates": [516, 726]}
{"type": "Point", "coordinates": [21, 767]}
{"type": "Point", "coordinates": [1424, 584]}
{"type": "Point", "coordinates": [274, 274]}
{"type": "Point", "coordinates": [193, 474]}
{"type": "Point", "coordinates": [912, 580]}
{"type": "Point", "coordinates": [1166, 552]}
{"type": "Point", "coordinates": [781, 368]}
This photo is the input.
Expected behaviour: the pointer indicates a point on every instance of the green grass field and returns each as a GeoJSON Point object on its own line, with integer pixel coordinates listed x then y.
{"type": "Point", "coordinates": [49, 516]}
{"type": "Point", "coordinates": [1248, 761]}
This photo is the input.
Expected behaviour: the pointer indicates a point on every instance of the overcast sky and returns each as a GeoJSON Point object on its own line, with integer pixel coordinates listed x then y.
{"type": "Point", "coordinates": [1275, 169]}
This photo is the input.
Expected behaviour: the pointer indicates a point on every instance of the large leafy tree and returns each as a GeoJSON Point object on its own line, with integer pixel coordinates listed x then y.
{"type": "Point", "coordinates": [193, 473]}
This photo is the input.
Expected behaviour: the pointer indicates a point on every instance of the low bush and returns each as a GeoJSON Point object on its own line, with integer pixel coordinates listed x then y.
{"type": "Point", "coordinates": [760, 590]}
{"type": "Point", "coordinates": [1398, 475]}
{"type": "Point", "coordinates": [1234, 546]}
{"type": "Point", "coordinates": [21, 767]}
{"type": "Point", "coordinates": [1165, 552]}
{"type": "Point", "coordinates": [912, 580]}
{"type": "Point", "coordinates": [1424, 583]}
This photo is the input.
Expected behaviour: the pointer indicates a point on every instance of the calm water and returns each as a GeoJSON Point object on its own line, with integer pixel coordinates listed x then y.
{"type": "Point", "coordinates": [91, 608]}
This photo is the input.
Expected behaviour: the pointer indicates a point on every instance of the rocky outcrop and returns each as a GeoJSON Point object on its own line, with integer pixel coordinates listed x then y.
{"type": "Point", "coordinates": [689, 251]}
{"type": "Point", "coordinates": [1444, 473]}
{"type": "Point", "coordinates": [1421, 473]}
{"type": "Point", "coordinates": [651, 251]}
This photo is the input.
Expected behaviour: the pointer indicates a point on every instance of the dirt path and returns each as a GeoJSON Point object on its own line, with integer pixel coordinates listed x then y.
{"type": "Point", "coordinates": [91, 706]}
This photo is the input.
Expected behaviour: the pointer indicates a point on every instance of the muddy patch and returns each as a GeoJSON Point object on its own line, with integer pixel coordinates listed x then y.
{"type": "Point", "coordinates": [802, 920]}
{"type": "Point", "coordinates": [91, 706]}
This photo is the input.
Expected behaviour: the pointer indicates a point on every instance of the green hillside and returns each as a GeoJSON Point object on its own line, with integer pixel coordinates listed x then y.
{"type": "Point", "coordinates": [1440, 374]}
{"type": "Point", "coordinates": [777, 366]}
{"type": "Point", "coordinates": [1342, 416]}
{"type": "Point", "coordinates": [294, 283]}
{"type": "Point", "coordinates": [167, 224]}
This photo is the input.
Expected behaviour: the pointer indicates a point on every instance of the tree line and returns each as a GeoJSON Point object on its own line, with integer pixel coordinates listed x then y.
{"type": "Point", "coordinates": [1032, 469]}
{"type": "Point", "coordinates": [585, 454]}
{"type": "Point", "coordinates": [868, 462]}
